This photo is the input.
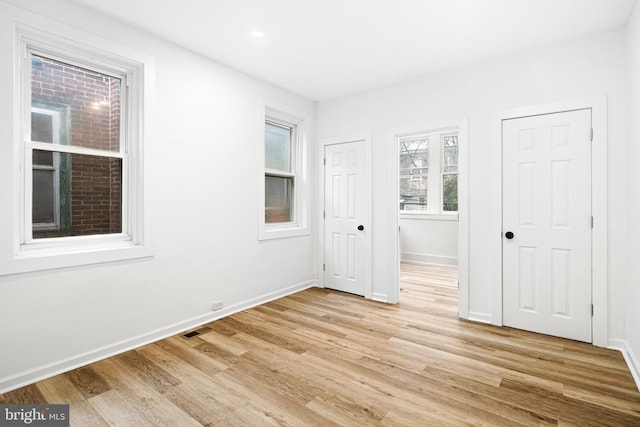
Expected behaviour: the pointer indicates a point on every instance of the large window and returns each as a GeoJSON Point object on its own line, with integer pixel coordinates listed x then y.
{"type": "Point", "coordinates": [284, 154]}
{"type": "Point", "coordinates": [78, 162]}
{"type": "Point", "coordinates": [428, 173]}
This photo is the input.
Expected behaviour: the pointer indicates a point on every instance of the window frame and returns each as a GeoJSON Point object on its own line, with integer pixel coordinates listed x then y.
{"type": "Point", "coordinates": [299, 123]}
{"type": "Point", "coordinates": [58, 42]}
{"type": "Point", "coordinates": [435, 175]}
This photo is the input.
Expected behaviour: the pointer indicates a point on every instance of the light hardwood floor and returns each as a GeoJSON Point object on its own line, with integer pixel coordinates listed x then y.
{"type": "Point", "coordinates": [327, 358]}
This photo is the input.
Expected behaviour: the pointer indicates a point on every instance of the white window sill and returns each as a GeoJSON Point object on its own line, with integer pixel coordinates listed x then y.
{"type": "Point", "coordinates": [279, 231]}
{"type": "Point", "coordinates": [30, 259]}
{"type": "Point", "coordinates": [432, 217]}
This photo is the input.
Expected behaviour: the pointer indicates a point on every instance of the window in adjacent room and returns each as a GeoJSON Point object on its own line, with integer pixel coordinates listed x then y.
{"type": "Point", "coordinates": [428, 166]}
{"type": "Point", "coordinates": [450, 173]}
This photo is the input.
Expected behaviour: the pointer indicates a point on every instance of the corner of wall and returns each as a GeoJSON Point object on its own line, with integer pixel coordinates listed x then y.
{"type": "Point", "coordinates": [629, 357]}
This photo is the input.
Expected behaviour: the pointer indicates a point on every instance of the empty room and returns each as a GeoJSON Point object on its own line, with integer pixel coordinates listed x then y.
{"type": "Point", "coordinates": [328, 213]}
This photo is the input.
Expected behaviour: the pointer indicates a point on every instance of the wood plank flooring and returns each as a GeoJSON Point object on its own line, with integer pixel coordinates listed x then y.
{"type": "Point", "coordinates": [325, 358]}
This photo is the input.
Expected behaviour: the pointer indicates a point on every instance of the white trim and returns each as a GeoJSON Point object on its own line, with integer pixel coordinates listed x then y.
{"type": "Point", "coordinates": [598, 106]}
{"type": "Point", "coordinates": [367, 138]}
{"type": "Point", "coordinates": [418, 258]}
{"type": "Point", "coordinates": [301, 120]}
{"type": "Point", "coordinates": [43, 372]}
{"type": "Point", "coordinates": [475, 316]}
{"type": "Point", "coordinates": [462, 124]}
{"type": "Point", "coordinates": [380, 297]}
{"type": "Point", "coordinates": [430, 217]}
{"type": "Point", "coordinates": [57, 39]}
{"type": "Point", "coordinates": [629, 357]}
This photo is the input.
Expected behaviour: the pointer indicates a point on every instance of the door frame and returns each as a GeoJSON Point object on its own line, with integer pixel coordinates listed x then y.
{"type": "Point", "coordinates": [366, 138]}
{"type": "Point", "coordinates": [599, 194]}
{"type": "Point", "coordinates": [462, 124]}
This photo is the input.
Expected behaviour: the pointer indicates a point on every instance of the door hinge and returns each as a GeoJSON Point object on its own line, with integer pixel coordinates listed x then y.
{"type": "Point", "coordinates": [323, 267]}
{"type": "Point", "coordinates": [591, 136]}
{"type": "Point", "coordinates": [592, 222]}
{"type": "Point", "coordinates": [324, 161]}
{"type": "Point", "coordinates": [591, 310]}
{"type": "Point", "coordinates": [324, 214]}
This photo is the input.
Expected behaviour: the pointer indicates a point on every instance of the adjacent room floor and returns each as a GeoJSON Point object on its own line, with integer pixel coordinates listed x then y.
{"type": "Point", "coordinates": [323, 358]}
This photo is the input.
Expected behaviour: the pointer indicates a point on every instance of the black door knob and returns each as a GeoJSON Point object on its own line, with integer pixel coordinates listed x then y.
{"type": "Point", "coordinates": [509, 235]}
{"type": "Point", "coordinates": [361, 227]}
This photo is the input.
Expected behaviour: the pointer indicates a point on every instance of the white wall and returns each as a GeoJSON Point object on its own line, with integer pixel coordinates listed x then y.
{"type": "Point", "coordinates": [432, 241]}
{"type": "Point", "coordinates": [580, 68]}
{"type": "Point", "coordinates": [632, 311]}
{"type": "Point", "coordinates": [202, 190]}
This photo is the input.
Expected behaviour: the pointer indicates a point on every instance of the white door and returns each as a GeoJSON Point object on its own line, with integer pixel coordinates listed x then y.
{"type": "Point", "coordinates": [346, 211]}
{"type": "Point", "coordinates": [546, 249]}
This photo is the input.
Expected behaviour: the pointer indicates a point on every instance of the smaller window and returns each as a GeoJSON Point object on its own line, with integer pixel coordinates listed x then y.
{"type": "Point", "coordinates": [280, 173]}
{"type": "Point", "coordinates": [284, 176]}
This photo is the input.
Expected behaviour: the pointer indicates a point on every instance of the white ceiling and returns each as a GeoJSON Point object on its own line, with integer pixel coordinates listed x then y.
{"type": "Point", "coordinates": [329, 48]}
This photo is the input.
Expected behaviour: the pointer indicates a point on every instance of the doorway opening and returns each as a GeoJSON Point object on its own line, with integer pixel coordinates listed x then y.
{"type": "Point", "coordinates": [430, 206]}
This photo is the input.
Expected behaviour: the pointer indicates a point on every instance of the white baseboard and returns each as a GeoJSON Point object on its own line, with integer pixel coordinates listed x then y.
{"type": "Point", "coordinates": [479, 317]}
{"type": "Point", "coordinates": [629, 357]}
{"type": "Point", "coordinates": [37, 374]}
{"type": "Point", "coordinates": [380, 297]}
{"type": "Point", "coordinates": [428, 259]}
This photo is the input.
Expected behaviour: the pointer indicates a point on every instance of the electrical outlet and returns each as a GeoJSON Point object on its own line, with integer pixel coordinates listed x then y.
{"type": "Point", "coordinates": [217, 305]}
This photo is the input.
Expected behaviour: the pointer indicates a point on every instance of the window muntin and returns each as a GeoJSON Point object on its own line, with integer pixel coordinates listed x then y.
{"type": "Point", "coordinates": [280, 171]}
{"type": "Point", "coordinates": [428, 172]}
{"type": "Point", "coordinates": [74, 150]}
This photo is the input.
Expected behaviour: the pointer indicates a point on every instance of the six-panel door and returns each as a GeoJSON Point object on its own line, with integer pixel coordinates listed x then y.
{"type": "Point", "coordinates": [547, 224]}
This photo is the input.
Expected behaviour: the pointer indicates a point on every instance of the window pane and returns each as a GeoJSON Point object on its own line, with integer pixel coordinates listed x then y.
{"type": "Point", "coordinates": [450, 192]}
{"type": "Point", "coordinates": [277, 147]}
{"type": "Point", "coordinates": [44, 199]}
{"type": "Point", "coordinates": [278, 198]}
{"type": "Point", "coordinates": [414, 162]}
{"type": "Point", "coordinates": [92, 100]}
{"type": "Point", "coordinates": [42, 158]}
{"type": "Point", "coordinates": [450, 154]}
{"type": "Point", "coordinates": [41, 127]}
{"type": "Point", "coordinates": [83, 192]}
